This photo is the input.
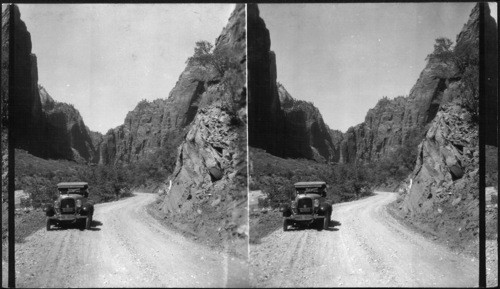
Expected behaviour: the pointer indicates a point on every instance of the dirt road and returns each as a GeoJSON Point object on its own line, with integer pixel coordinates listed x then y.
{"type": "Point", "coordinates": [367, 247]}
{"type": "Point", "coordinates": [125, 248]}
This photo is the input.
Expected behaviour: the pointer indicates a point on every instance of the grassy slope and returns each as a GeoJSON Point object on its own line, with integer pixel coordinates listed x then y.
{"type": "Point", "coordinates": [33, 173]}
{"type": "Point", "coordinates": [38, 177]}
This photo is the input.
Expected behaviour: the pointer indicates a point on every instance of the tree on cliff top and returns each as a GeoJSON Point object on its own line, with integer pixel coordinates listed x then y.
{"type": "Point", "coordinates": [465, 57]}
{"type": "Point", "coordinates": [224, 62]}
{"type": "Point", "coordinates": [207, 56]}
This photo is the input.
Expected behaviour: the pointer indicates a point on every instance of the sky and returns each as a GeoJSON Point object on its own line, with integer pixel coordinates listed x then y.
{"type": "Point", "coordinates": [345, 57]}
{"type": "Point", "coordinates": [105, 58]}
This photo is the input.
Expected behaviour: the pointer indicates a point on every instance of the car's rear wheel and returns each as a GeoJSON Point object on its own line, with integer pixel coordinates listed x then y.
{"type": "Point", "coordinates": [285, 225]}
{"type": "Point", "coordinates": [48, 224]}
{"type": "Point", "coordinates": [326, 221]}
{"type": "Point", "coordinates": [89, 222]}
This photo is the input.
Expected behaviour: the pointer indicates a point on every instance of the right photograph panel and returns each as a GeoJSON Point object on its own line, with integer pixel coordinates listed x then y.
{"type": "Point", "coordinates": [364, 145]}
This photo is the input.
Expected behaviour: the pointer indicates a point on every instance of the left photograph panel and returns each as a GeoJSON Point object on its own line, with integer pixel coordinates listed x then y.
{"type": "Point", "coordinates": [129, 129]}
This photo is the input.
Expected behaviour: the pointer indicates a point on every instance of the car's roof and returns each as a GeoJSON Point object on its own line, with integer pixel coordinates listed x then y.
{"type": "Point", "coordinates": [67, 185]}
{"type": "Point", "coordinates": [309, 184]}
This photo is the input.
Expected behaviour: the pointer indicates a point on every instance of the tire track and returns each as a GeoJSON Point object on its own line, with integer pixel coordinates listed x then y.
{"type": "Point", "coordinates": [369, 248]}
{"type": "Point", "coordinates": [125, 248]}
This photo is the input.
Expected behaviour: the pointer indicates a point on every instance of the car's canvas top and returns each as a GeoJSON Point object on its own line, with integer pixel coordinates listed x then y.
{"type": "Point", "coordinates": [67, 185]}
{"type": "Point", "coordinates": [309, 184]}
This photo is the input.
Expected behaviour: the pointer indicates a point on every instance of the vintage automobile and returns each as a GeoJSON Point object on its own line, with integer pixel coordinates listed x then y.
{"type": "Point", "coordinates": [72, 206]}
{"type": "Point", "coordinates": [309, 206]}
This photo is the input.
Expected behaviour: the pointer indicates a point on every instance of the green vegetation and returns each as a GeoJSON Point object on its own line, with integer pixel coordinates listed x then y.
{"type": "Point", "coordinates": [206, 55]}
{"type": "Point", "coordinates": [152, 168]}
{"type": "Point", "coordinates": [275, 177]}
{"type": "Point", "coordinates": [39, 177]}
{"type": "Point", "coordinates": [224, 62]}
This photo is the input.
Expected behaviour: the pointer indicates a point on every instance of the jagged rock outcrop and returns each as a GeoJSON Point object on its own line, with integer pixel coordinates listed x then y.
{"type": "Point", "coordinates": [41, 126]}
{"type": "Point", "coordinates": [445, 190]}
{"type": "Point", "coordinates": [208, 192]}
{"type": "Point", "coordinates": [491, 78]}
{"type": "Point", "coordinates": [163, 122]}
{"type": "Point", "coordinates": [381, 131]}
{"type": "Point", "coordinates": [4, 101]}
{"type": "Point", "coordinates": [404, 121]}
{"type": "Point", "coordinates": [401, 121]}
{"type": "Point", "coordinates": [445, 178]}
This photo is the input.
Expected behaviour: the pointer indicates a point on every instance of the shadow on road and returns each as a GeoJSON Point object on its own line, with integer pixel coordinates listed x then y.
{"type": "Point", "coordinates": [78, 225]}
{"type": "Point", "coordinates": [318, 227]}
{"type": "Point", "coordinates": [332, 225]}
{"type": "Point", "coordinates": [95, 224]}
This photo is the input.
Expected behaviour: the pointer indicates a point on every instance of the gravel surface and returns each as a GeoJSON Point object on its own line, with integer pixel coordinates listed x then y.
{"type": "Point", "coordinates": [366, 247]}
{"type": "Point", "coordinates": [492, 263]}
{"type": "Point", "coordinates": [125, 248]}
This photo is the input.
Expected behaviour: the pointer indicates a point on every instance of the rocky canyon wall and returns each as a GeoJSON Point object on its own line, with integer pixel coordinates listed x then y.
{"type": "Point", "coordinates": [40, 125]}
{"type": "Point", "coordinates": [278, 123]}
{"type": "Point", "coordinates": [208, 186]}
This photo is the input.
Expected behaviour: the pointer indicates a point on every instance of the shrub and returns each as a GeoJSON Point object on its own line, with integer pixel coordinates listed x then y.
{"type": "Point", "coordinates": [220, 59]}
{"type": "Point", "coordinates": [465, 57]}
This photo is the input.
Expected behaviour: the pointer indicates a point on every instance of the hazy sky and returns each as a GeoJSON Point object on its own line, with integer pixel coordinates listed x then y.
{"type": "Point", "coordinates": [105, 58]}
{"type": "Point", "coordinates": [345, 57]}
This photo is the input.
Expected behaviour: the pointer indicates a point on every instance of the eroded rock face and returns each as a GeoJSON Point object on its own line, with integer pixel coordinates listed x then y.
{"type": "Point", "coordinates": [40, 125]}
{"type": "Point", "coordinates": [448, 153]}
{"type": "Point", "coordinates": [66, 128]}
{"type": "Point", "coordinates": [266, 119]}
{"type": "Point", "coordinates": [153, 124]}
{"type": "Point", "coordinates": [403, 121]}
{"type": "Point", "coordinates": [4, 102]}
{"type": "Point", "coordinates": [381, 131]}
{"type": "Point", "coordinates": [208, 192]}
{"type": "Point", "coordinates": [26, 107]}
{"type": "Point", "coordinates": [491, 78]}
{"type": "Point", "coordinates": [274, 115]}
{"type": "Point", "coordinates": [445, 178]}
{"type": "Point", "coordinates": [307, 134]}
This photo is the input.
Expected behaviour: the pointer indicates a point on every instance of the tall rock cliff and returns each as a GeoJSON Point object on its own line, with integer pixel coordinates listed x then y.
{"type": "Point", "coordinates": [208, 192]}
{"type": "Point", "coordinates": [266, 119]}
{"type": "Point", "coordinates": [5, 100]}
{"type": "Point", "coordinates": [151, 125]}
{"type": "Point", "coordinates": [25, 106]}
{"type": "Point", "coordinates": [491, 78]}
{"type": "Point", "coordinates": [163, 122]}
{"type": "Point", "coordinates": [403, 121]}
{"type": "Point", "coordinates": [275, 116]}
{"type": "Point", "coordinates": [41, 126]}
{"type": "Point", "coordinates": [71, 138]}
{"type": "Point", "coordinates": [307, 134]}
{"type": "Point", "coordinates": [445, 178]}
